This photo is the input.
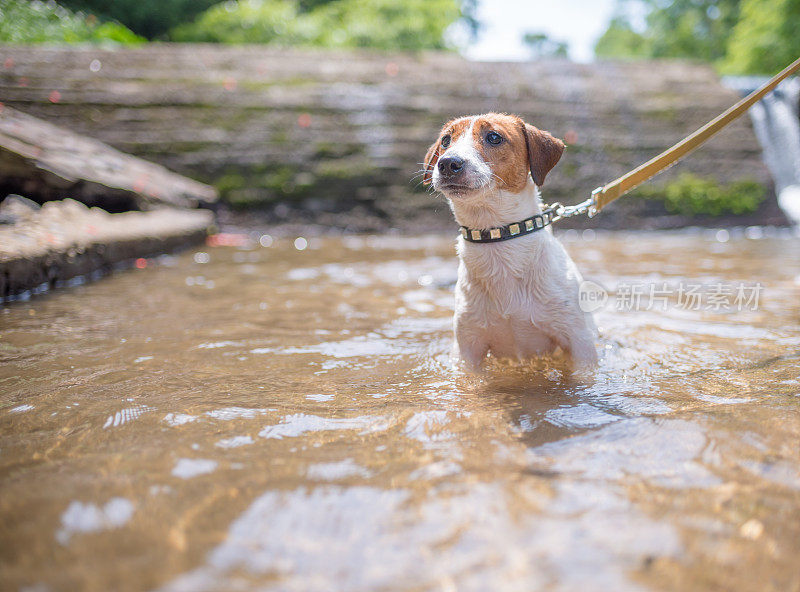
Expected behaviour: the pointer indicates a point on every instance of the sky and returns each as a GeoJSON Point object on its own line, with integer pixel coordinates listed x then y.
{"type": "Point", "coordinates": [578, 22]}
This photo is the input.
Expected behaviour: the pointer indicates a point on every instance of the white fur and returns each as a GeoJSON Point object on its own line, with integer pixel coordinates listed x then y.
{"type": "Point", "coordinates": [517, 298]}
{"type": "Point", "coordinates": [477, 174]}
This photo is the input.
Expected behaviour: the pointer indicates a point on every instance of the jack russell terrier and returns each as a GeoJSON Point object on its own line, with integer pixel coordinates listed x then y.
{"type": "Point", "coordinates": [517, 289]}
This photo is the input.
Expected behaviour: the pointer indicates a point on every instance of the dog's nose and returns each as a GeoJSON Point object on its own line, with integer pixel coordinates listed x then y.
{"type": "Point", "coordinates": [450, 165]}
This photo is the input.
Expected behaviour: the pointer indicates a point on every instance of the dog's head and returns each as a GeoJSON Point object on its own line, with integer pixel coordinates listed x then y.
{"type": "Point", "coordinates": [489, 152]}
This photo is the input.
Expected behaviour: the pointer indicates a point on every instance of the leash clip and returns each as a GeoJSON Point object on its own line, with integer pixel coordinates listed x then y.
{"type": "Point", "coordinates": [592, 209]}
{"type": "Point", "coordinates": [588, 207]}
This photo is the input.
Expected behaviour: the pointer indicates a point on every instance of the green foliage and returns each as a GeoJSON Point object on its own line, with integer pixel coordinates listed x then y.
{"type": "Point", "coordinates": [693, 29]}
{"type": "Point", "coordinates": [381, 24]}
{"type": "Point", "coordinates": [766, 39]}
{"type": "Point", "coordinates": [386, 24]}
{"type": "Point", "coordinates": [115, 32]}
{"type": "Point", "coordinates": [741, 36]}
{"type": "Point", "coordinates": [250, 21]}
{"type": "Point", "coordinates": [540, 46]}
{"type": "Point", "coordinates": [150, 18]}
{"type": "Point", "coordinates": [692, 195]}
{"type": "Point", "coordinates": [621, 41]}
{"type": "Point", "coordinates": [155, 18]}
{"type": "Point", "coordinates": [26, 22]}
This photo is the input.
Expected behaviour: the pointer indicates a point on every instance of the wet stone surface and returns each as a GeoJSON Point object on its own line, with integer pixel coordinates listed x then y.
{"type": "Point", "coordinates": [286, 417]}
{"type": "Point", "coordinates": [65, 242]}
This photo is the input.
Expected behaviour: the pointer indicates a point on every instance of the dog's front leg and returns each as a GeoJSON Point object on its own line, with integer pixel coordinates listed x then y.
{"type": "Point", "coordinates": [582, 351]}
{"type": "Point", "coordinates": [470, 356]}
{"type": "Point", "coordinates": [470, 348]}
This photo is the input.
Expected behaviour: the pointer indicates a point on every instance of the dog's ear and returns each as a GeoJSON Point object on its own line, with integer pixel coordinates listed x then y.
{"type": "Point", "coordinates": [430, 161]}
{"type": "Point", "coordinates": [544, 151]}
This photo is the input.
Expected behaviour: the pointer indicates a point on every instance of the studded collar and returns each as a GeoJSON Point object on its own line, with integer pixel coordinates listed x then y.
{"type": "Point", "coordinates": [509, 231]}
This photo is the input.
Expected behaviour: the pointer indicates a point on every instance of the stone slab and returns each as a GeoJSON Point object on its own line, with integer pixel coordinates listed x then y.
{"type": "Point", "coordinates": [45, 162]}
{"type": "Point", "coordinates": [41, 248]}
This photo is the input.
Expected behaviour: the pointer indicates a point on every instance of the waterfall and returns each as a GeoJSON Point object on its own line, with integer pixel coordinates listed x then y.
{"type": "Point", "coordinates": [777, 125]}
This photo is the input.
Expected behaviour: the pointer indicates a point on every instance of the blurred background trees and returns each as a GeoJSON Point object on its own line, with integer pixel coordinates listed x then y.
{"type": "Point", "coordinates": [738, 36]}
{"type": "Point", "coordinates": [766, 37]}
{"type": "Point", "coordinates": [541, 46]}
{"type": "Point", "coordinates": [32, 22]}
{"type": "Point", "coordinates": [149, 18]}
{"type": "Point", "coordinates": [379, 24]}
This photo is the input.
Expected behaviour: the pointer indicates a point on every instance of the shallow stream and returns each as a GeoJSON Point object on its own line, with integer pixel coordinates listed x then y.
{"type": "Point", "coordinates": [286, 417]}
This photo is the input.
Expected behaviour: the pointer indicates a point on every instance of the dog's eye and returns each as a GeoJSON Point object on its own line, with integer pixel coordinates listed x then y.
{"type": "Point", "coordinates": [446, 141]}
{"type": "Point", "coordinates": [494, 138]}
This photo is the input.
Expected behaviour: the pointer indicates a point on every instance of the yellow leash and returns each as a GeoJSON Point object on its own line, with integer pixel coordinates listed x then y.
{"type": "Point", "coordinates": [602, 196]}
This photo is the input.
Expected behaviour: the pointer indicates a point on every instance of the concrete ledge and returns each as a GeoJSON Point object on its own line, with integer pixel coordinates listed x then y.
{"type": "Point", "coordinates": [47, 246]}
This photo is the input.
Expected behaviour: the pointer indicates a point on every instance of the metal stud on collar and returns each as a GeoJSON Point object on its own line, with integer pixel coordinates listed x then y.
{"type": "Point", "coordinates": [521, 228]}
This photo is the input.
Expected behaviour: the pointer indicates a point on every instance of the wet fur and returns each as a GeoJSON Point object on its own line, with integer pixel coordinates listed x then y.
{"type": "Point", "coordinates": [518, 298]}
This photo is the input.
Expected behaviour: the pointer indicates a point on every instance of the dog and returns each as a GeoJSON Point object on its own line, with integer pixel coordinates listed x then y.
{"type": "Point", "coordinates": [517, 294]}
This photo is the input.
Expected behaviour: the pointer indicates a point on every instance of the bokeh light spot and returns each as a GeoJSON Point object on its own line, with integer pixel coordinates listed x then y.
{"type": "Point", "coordinates": [571, 137]}
{"type": "Point", "coordinates": [227, 239]}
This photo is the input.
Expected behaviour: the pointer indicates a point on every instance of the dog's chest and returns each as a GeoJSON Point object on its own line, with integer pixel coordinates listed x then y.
{"type": "Point", "coordinates": [500, 269]}
{"type": "Point", "coordinates": [499, 280]}
{"type": "Point", "coordinates": [508, 318]}
{"type": "Point", "coordinates": [498, 264]}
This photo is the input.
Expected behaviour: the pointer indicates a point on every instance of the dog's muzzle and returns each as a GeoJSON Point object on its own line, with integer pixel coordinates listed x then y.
{"type": "Point", "coordinates": [450, 167]}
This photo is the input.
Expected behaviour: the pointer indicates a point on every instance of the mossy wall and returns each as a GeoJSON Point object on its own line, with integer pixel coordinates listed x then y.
{"type": "Point", "coordinates": [327, 130]}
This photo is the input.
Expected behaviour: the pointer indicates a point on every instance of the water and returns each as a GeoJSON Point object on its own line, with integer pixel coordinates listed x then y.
{"type": "Point", "coordinates": [284, 419]}
{"type": "Point", "coordinates": [777, 125]}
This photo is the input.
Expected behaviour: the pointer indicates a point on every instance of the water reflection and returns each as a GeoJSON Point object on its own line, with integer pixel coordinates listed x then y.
{"type": "Point", "coordinates": [271, 418]}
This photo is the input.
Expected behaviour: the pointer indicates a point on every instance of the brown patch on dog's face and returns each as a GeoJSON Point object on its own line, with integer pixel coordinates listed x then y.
{"type": "Point", "coordinates": [451, 131]}
{"type": "Point", "coordinates": [522, 148]}
{"type": "Point", "coordinates": [500, 141]}
{"type": "Point", "coordinates": [506, 144]}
